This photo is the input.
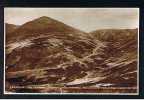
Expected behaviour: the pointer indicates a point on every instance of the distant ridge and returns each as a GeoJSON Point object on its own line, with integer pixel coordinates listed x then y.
{"type": "Point", "coordinates": [10, 27]}
{"type": "Point", "coordinates": [110, 35]}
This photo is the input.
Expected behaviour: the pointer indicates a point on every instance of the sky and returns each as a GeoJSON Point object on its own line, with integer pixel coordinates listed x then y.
{"type": "Point", "coordinates": [85, 19]}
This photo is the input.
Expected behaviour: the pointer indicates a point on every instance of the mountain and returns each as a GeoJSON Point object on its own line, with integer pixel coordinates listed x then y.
{"type": "Point", "coordinates": [49, 53]}
{"type": "Point", "coordinates": [115, 35]}
{"type": "Point", "coordinates": [40, 27]}
{"type": "Point", "coordinates": [46, 51]}
{"type": "Point", "coordinates": [122, 48]}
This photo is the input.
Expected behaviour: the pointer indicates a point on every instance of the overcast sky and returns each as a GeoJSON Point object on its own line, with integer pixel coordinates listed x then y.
{"type": "Point", "coordinates": [86, 19]}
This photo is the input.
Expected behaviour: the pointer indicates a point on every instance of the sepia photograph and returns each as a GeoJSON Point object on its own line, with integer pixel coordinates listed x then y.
{"type": "Point", "coordinates": [71, 51]}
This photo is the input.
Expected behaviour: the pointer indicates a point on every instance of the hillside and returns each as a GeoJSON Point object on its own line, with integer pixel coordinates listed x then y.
{"type": "Point", "coordinates": [49, 53]}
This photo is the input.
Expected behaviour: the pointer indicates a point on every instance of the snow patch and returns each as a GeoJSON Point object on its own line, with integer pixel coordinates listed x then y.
{"type": "Point", "coordinates": [103, 84]}
{"type": "Point", "coordinates": [20, 44]}
{"type": "Point", "coordinates": [85, 80]}
{"type": "Point", "coordinates": [55, 42]}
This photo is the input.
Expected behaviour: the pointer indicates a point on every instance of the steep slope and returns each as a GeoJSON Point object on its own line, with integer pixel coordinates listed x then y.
{"type": "Point", "coordinates": [122, 56]}
{"type": "Point", "coordinates": [49, 53]}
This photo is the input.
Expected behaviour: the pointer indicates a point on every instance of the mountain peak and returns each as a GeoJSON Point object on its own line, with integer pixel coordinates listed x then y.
{"type": "Point", "coordinates": [44, 19]}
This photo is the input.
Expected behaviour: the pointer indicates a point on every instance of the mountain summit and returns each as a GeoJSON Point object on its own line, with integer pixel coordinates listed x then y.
{"type": "Point", "coordinates": [44, 19]}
